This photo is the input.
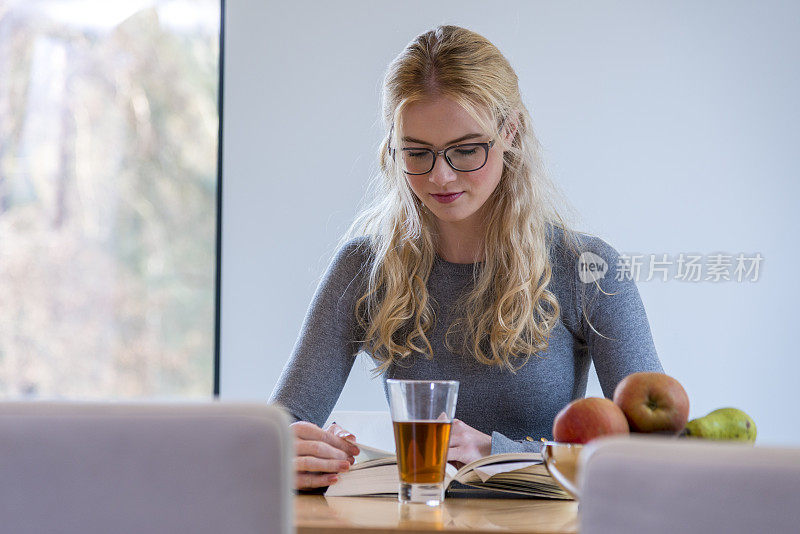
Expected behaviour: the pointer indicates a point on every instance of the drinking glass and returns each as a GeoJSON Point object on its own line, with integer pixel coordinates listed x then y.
{"type": "Point", "coordinates": [422, 414]}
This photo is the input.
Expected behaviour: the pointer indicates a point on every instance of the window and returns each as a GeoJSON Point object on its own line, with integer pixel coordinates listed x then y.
{"type": "Point", "coordinates": [108, 184]}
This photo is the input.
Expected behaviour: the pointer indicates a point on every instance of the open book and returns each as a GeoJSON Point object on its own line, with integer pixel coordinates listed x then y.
{"type": "Point", "coordinates": [375, 473]}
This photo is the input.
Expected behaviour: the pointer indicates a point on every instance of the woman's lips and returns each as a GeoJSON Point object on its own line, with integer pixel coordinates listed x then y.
{"type": "Point", "coordinates": [446, 199]}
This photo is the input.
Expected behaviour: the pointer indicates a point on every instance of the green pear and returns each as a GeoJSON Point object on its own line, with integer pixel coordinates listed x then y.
{"type": "Point", "coordinates": [725, 424]}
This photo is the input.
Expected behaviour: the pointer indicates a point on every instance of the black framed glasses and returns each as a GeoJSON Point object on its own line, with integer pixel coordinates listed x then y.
{"type": "Point", "coordinates": [465, 157]}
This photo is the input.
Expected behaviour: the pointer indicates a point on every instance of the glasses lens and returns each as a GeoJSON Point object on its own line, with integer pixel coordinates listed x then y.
{"type": "Point", "coordinates": [417, 161]}
{"type": "Point", "coordinates": [466, 157]}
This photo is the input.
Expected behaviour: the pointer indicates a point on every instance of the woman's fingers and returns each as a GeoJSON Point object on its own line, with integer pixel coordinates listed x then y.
{"type": "Point", "coordinates": [314, 480]}
{"type": "Point", "coordinates": [339, 441]}
{"type": "Point", "coordinates": [311, 432]}
{"type": "Point", "coordinates": [454, 454]}
{"type": "Point", "coordinates": [468, 444]}
{"type": "Point", "coordinates": [321, 454]}
{"type": "Point", "coordinates": [336, 430]}
{"type": "Point", "coordinates": [310, 463]}
{"type": "Point", "coordinates": [306, 430]}
{"type": "Point", "coordinates": [457, 464]}
{"type": "Point", "coordinates": [460, 456]}
{"type": "Point", "coordinates": [320, 449]}
{"type": "Point", "coordinates": [457, 432]}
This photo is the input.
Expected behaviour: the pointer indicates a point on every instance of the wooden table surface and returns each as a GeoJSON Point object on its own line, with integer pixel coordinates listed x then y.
{"type": "Point", "coordinates": [384, 515]}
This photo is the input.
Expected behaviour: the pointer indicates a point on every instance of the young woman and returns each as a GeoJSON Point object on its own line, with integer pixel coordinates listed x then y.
{"type": "Point", "coordinates": [463, 269]}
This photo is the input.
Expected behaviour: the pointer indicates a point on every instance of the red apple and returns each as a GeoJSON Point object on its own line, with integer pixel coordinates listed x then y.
{"type": "Point", "coordinates": [653, 402]}
{"type": "Point", "coordinates": [585, 419]}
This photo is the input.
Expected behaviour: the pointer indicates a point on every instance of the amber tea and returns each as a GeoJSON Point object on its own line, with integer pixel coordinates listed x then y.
{"type": "Point", "coordinates": [422, 450]}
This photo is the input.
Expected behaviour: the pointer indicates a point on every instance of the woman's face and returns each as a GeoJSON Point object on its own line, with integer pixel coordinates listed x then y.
{"type": "Point", "coordinates": [438, 123]}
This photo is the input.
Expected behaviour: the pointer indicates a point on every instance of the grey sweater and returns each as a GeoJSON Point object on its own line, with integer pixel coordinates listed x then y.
{"type": "Point", "coordinates": [508, 406]}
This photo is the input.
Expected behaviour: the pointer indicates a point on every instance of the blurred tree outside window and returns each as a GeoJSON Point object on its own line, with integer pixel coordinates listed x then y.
{"type": "Point", "coordinates": [108, 161]}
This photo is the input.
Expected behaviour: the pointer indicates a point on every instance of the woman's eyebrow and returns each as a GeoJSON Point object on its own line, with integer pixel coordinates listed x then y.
{"type": "Point", "coordinates": [462, 138]}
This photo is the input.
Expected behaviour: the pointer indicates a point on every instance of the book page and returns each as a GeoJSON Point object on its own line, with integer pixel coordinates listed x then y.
{"type": "Point", "coordinates": [487, 471]}
{"type": "Point", "coordinates": [533, 457]}
{"type": "Point", "coordinates": [368, 454]}
{"type": "Point", "coordinates": [377, 480]}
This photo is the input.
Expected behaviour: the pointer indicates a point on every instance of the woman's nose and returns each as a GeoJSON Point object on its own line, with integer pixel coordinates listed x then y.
{"type": "Point", "coordinates": [442, 173]}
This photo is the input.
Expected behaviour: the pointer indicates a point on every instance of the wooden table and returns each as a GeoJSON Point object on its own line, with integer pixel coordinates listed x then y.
{"type": "Point", "coordinates": [383, 515]}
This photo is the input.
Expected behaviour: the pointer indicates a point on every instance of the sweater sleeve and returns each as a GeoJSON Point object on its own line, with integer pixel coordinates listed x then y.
{"type": "Point", "coordinates": [614, 322]}
{"type": "Point", "coordinates": [328, 343]}
{"type": "Point", "coordinates": [501, 443]}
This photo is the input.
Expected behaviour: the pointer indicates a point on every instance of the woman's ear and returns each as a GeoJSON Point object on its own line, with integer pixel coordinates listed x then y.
{"type": "Point", "coordinates": [510, 128]}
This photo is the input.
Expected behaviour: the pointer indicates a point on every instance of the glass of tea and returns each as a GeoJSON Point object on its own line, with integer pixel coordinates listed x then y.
{"type": "Point", "coordinates": [422, 414]}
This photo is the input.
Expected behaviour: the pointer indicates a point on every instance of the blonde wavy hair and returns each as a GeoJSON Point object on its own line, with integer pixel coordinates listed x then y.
{"type": "Point", "coordinates": [509, 313]}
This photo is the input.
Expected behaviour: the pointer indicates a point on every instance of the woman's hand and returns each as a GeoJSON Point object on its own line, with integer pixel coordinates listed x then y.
{"type": "Point", "coordinates": [321, 454]}
{"type": "Point", "coordinates": [467, 444]}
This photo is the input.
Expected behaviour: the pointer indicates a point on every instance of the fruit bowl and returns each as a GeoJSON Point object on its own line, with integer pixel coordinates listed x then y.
{"type": "Point", "coordinates": [561, 460]}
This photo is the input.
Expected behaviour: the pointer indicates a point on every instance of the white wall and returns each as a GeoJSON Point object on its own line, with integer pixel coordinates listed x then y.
{"type": "Point", "coordinates": [671, 126]}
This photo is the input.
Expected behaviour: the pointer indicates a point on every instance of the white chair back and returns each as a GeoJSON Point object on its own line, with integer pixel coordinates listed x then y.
{"type": "Point", "coordinates": [662, 485]}
{"type": "Point", "coordinates": [92, 468]}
